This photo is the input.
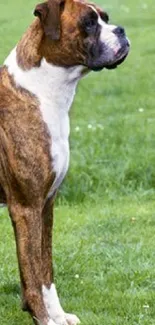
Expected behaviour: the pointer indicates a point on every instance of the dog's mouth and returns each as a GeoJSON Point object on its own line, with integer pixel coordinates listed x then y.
{"type": "Point", "coordinates": [120, 56]}
{"type": "Point", "coordinates": [113, 66]}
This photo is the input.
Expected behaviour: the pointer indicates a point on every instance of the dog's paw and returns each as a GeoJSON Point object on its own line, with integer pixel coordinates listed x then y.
{"type": "Point", "coordinates": [72, 319]}
{"type": "Point", "coordinates": [54, 309]}
{"type": "Point", "coordinates": [50, 322]}
{"type": "Point", "coordinates": [66, 319]}
{"type": "Point", "coordinates": [60, 319]}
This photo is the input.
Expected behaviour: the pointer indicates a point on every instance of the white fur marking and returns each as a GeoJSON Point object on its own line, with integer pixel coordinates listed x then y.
{"type": "Point", "coordinates": [72, 319]}
{"type": "Point", "coordinates": [52, 304]}
{"type": "Point", "coordinates": [54, 308]}
{"type": "Point", "coordinates": [50, 322]}
{"type": "Point", "coordinates": [107, 36]}
{"type": "Point", "coordinates": [55, 89]}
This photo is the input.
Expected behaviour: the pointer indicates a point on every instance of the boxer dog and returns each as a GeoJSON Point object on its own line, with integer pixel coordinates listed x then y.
{"type": "Point", "coordinates": [67, 39]}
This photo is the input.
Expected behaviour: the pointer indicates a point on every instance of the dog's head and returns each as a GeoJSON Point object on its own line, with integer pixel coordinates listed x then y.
{"type": "Point", "coordinates": [78, 33]}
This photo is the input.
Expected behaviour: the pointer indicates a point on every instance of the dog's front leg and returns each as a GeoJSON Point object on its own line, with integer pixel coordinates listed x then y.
{"type": "Point", "coordinates": [27, 223]}
{"type": "Point", "coordinates": [50, 296]}
{"type": "Point", "coordinates": [47, 227]}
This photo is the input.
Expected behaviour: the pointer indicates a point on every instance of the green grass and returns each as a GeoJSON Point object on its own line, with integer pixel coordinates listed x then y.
{"type": "Point", "coordinates": [105, 218]}
{"type": "Point", "coordinates": [104, 263]}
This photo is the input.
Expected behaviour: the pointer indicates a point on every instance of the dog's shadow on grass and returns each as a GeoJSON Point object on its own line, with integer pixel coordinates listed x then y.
{"type": "Point", "coordinates": [10, 289]}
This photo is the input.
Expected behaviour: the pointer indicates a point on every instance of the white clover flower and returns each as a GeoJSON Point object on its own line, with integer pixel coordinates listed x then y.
{"type": "Point", "coordinates": [146, 306]}
{"type": "Point", "coordinates": [141, 109]}
{"type": "Point", "coordinates": [77, 128]}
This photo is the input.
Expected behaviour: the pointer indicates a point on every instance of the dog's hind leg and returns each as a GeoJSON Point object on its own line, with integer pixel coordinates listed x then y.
{"type": "Point", "coordinates": [27, 224]}
{"type": "Point", "coordinates": [50, 296]}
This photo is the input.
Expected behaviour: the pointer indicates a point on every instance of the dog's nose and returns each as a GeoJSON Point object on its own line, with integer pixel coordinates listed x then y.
{"type": "Point", "coordinates": [119, 31]}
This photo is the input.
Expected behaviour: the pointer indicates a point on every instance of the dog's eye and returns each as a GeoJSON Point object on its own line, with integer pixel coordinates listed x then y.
{"type": "Point", "coordinates": [91, 23]}
{"type": "Point", "coordinates": [88, 23]}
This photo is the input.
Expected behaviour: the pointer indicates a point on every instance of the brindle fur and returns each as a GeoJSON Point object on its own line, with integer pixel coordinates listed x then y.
{"type": "Point", "coordinates": [25, 179]}
{"type": "Point", "coordinates": [26, 174]}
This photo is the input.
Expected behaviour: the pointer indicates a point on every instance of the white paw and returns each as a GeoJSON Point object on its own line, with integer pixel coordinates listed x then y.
{"type": "Point", "coordinates": [55, 310]}
{"type": "Point", "coordinates": [72, 319]}
{"type": "Point", "coordinates": [66, 319]}
{"type": "Point", "coordinates": [50, 322]}
{"type": "Point", "coordinates": [60, 319]}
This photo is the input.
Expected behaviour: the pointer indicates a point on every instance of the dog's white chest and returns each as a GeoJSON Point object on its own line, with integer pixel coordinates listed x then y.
{"type": "Point", "coordinates": [57, 123]}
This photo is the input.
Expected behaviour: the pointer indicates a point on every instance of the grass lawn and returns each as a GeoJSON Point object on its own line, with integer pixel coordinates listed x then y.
{"type": "Point", "coordinates": [105, 216]}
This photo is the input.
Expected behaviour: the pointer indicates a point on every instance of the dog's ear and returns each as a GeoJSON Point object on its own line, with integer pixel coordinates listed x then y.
{"type": "Point", "coordinates": [49, 14]}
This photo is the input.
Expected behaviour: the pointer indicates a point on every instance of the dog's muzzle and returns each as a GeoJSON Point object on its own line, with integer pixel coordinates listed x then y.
{"type": "Point", "coordinates": [122, 53]}
{"type": "Point", "coordinates": [110, 50]}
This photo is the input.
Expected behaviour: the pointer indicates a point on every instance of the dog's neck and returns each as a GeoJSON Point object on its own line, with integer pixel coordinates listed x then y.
{"type": "Point", "coordinates": [49, 83]}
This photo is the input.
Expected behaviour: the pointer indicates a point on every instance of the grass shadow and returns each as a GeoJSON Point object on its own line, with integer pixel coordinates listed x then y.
{"type": "Point", "coordinates": [10, 289]}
